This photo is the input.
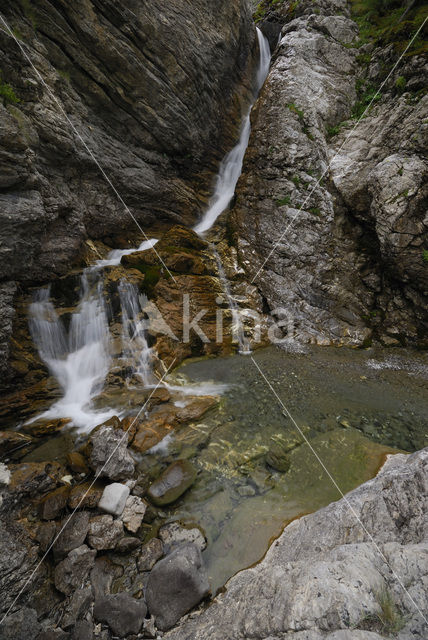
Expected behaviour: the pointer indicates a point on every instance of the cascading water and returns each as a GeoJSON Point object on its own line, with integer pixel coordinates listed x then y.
{"type": "Point", "coordinates": [238, 332]}
{"type": "Point", "coordinates": [231, 165]}
{"type": "Point", "coordinates": [80, 357]}
{"type": "Point", "coordinates": [230, 170]}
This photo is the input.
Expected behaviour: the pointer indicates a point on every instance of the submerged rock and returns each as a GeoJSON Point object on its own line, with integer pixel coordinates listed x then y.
{"type": "Point", "coordinates": [176, 584]}
{"type": "Point", "coordinates": [172, 483]}
{"type": "Point", "coordinates": [149, 554]}
{"type": "Point", "coordinates": [173, 535]}
{"type": "Point", "coordinates": [123, 614]}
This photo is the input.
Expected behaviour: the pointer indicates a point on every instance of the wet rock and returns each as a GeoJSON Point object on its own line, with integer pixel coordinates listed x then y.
{"type": "Point", "coordinates": [149, 554]}
{"type": "Point", "coordinates": [76, 607]}
{"type": "Point", "coordinates": [133, 513]}
{"type": "Point", "coordinates": [43, 428]}
{"type": "Point", "coordinates": [104, 532]}
{"type": "Point", "coordinates": [123, 614]}
{"type": "Point", "coordinates": [14, 442]}
{"type": "Point", "coordinates": [176, 584]}
{"type": "Point", "coordinates": [102, 575]}
{"type": "Point", "coordinates": [196, 408]}
{"type": "Point", "coordinates": [54, 503]}
{"type": "Point", "coordinates": [109, 455]}
{"type": "Point", "coordinates": [45, 535]}
{"type": "Point", "coordinates": [127, 544]}
{"type": "Point", "coordinates": [53, 634]}
{"type": "Point", "coordinates": [86, 495]}
{"type": "Point", "coordinates": [173, 482]}
{"type": "Point", "coordinates": [20, 625]}
{"type": "Point", "coordinates": [83, 630]}
{"type": "Point", "coordinates": [113, 499]}
{"type": "Point", "coordinates": [77, 463]}
{"type": "Point", "coordinates": [151, 431]}
{"type": "Point", "coordinates": [73, 571]}
{"type": "Point", "coordinates": [174, 535]}
{"type": "Point", "coordinates": [32, 478]}
{"type": "Point", "coordinates": [73, 534]}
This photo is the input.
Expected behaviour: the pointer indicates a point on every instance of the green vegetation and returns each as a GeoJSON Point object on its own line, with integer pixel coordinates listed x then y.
{"type": "Point", "coordinates": [367, 96]}
{"type": "Point", "coordinates": [333, 131]}
{"type": "Point", "coordinates": [296, 110]}
{"type": "Point", "coordinates": [7, 93]}
{"type": "Point", "coordinates": [425, 255]}
{"type": "Point", "coordinates": [296, 180]}
{"type": "Point", "coordinates": [391, 22]}
{"type": "Point", "coordinates": [283, 201]}
{"type": "Point", "coordinates": [389, 621]}
{"type": "Point", "coordinates": [29, 12]}
{"type": "Point", "coordinates": [266, 5]}
{"type": "Point", "coordinates": [400, 84]}
{"type": "Point", "coordinates": [64, 74]}
{"type": "Point", "coordinates": [316, 211]}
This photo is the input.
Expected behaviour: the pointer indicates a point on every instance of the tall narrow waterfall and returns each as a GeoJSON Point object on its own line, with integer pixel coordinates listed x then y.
{"type": "Point", "coordinates": [231, 165]}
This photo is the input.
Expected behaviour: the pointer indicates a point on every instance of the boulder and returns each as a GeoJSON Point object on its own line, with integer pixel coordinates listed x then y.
{"type": "Point", "coordinates": [20, 625]}
{"type": "Point", "coordinates": [172, 483]}
{"type": "Point", "coordinates": [73, 571]}
{"type": "Point", "coordinates": [113, 499]}
{"type": "Point", "coordinates": [45, 534]}
{"type": "Point", "coordinates": [77, 463]}
{"type": "Point", "coordinates": [133, 513]}
{"type": "Point", "coordinates": [109, 455]}
{"type": "Point", "coordinates": [83, 630]}
{"type": "Point", "coordinates": [176, 584]}
{"type": "Point", "coordinates": [174, 535]}
{"type": "Point", "coordinates": [149, 554]}
{"type": "Point", "coordinates": [127, 544]}
{"type": "Point", "coordinates": [13, 441]}
{"type": "Point", "coordinates": [43, 428]}
{"type": "Point", "coordinates": [73, 535]}
{"type": "Point", "coordinates": [123, 614]}
{"type": "Point", "coordinates": [86, 495]}
{"type": "Point", "coordinates": [54, 503]}
{"type": "Point", "coordinates": [76, 607]}
{"type": "Point", "coordinates": [104, 532]}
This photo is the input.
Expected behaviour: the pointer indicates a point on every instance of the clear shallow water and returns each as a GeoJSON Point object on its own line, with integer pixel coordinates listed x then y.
{"type": "Point", "coordinates": [352, 414]}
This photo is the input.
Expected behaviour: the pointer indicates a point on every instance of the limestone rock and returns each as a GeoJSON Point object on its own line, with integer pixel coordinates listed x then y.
{"type": "Point", "coordinates": [113, 499]}
{"type": "Point", "coordinates": [172, 483]}
{"type": "Point", "coordinates": [20, 625]}
{"type": "Point", "coordinates": [72, 572]}
{"type": "Point", "coordinates": [104, 532]}
{"type": "Point", "coordinates": [109, 455]}
{"type": "Point", "coordinates": [133, 513]}
{"type": "Point", "coordinates": [85, 495]}
{"type": "Point", "coordinates": [176, 584]}
{"type": "Point", "coordinates": [123, 614]}
{"type": "Point", "coordinates": [54, 503]}
{"type": "Point", "coordinates": [76, 607]}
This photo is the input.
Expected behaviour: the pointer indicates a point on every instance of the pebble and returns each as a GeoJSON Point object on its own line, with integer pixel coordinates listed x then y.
{"type": "Point", "coordinates": [114, 498]}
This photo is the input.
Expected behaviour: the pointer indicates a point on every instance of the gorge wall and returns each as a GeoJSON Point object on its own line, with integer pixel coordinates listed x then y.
{"type": "Point", "coordinates": [331, 223]}
{"type": "Point", "coordinates": [152, 89]}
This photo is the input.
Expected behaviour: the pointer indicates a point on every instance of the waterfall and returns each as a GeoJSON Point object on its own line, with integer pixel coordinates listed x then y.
{"type": "Point", "coordinates": [80, 357]}
{"type": "Point", "coordinates": [238, 332]}
{"type": "Point", "coordinates": [134, 341]}
{"type": "Point", "coordinates": [231, 165]}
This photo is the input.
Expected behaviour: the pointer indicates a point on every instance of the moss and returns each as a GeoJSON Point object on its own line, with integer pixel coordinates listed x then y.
{"type": "Point", "coordinates": [283, 201]}
{"type": "Point", "coordinates": [29, 12]}
{"type": "Point", "coordinates": [400, 84]}
{"type": "Point", "coordinates": [385, 22]}
{"type": "Point", "coordinates": [296, 180]}
{"type": "Point", "coordinates": [152, 274]}
{"type": "Point", "coordinates": [316, 211]}
{"type": "Point", "coordinates": [425, 255]}
{"type": "Point", "coordinates": [267, 5]}
{"type": "Point", "coordinates": [296, 110]}
{"type": "Point", "coordinates": [63, 74]}
{"type": "Point", "coordinates": [7, 93]}
{"type": "Point", "coordinates": [367, 97]}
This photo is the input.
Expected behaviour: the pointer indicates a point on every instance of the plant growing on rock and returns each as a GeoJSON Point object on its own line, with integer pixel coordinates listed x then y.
{"type": "Point", "coordinates": [390, 620]}
{"type": "Point", "coordinates": [7, 93]}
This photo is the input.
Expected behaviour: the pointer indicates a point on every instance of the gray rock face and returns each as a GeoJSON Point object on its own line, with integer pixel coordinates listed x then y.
{"type": "Point", "coordinates": [348, 265]}
{"type": "Point", "coordinates": [71, 573]}
{"type": "Point", "coordinates": [150, 553]}
{"type": "Point", "coordinates": [176, 584]}
{"type": "Point", "coordinates": [109, 456]}
{"type": "Point", "coordinates": [123, 614]}
{"type": "Point", "coordinates": [150, 89]}
{"type": "Point", "coordinates": [322, 578]}
{"type": "Point", "coordinates": [74, 534]}
{"type": "Point", "coordinates": [20, 625]}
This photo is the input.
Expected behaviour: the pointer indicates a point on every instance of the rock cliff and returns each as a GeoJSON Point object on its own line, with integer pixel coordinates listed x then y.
{"type": "Point", "coordinates": [335, 574]}
{"type": "Point", "coordinates": [330, 221]}
{"type": "Point", "coordinates": [150, 90]}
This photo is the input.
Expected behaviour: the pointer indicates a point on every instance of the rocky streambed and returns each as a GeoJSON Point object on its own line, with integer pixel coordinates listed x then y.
{"type": "Point", "coordinates": [179, 501]}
